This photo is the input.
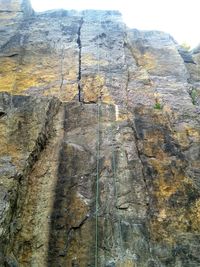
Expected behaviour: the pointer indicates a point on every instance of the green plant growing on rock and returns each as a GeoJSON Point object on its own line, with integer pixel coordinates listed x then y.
{"type": "Point", "coordinates": [157, 106]}
{"type": "Point", "coordinates": [193, 95]}
{"type": "Point", "coordinates": [185, 46]}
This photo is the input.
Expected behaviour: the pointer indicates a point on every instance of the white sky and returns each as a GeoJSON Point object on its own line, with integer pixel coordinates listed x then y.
{"type": "Point", "coordinates": [180, 18]}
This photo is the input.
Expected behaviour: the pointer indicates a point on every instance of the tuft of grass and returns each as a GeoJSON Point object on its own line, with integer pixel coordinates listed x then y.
{"type": "Point", "coordinates": [157, 105]}
{"type": "Point", "coordinates": [186, 46]}
{"type": "Point", "coordinates": [194, 96]}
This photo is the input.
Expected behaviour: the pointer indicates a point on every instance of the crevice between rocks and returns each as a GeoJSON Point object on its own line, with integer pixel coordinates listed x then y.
{"type": "Point", "coordinates": [10, 11]}
{"type": "Point", "coordinates": [70, 232]}
{"type": "Point", "coordinates": [128, 46]}
{"type": "Point", "coordinates": [139, 155]}
{"type": "Point", "coordinates": [2, 114]}
{"type": "Point", "coordinates": [40, 144]}
{"type": "Point", "coordinates": [145, 184]}
{"type": "Point", "coordinates": [81, 223]}
{"type": "Point", "coordinates": [62, 74]}
{"type": "Point", "coordinates": [79, 61]}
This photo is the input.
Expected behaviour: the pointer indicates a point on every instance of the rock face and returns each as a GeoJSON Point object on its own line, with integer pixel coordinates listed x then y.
{"type": "Point", "coordinates": [100, 142]}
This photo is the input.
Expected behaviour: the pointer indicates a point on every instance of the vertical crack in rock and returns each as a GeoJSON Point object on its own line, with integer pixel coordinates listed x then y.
{"type": "Point", "coordinates": [24, 28]}
{"type": "Point", "coordinates": [62, 73]}
{"type": "Point", "coordinates": [128, 46]}
{"type": "Point", "coordinates": [59, 220]}
{"type": "Point", "coordinates": [147, 191]}
{"type": "Point", "coordinates": [61, 59]}
{"type": "Point", "coordinates": [22, 39]}
{"type": "Point", "coordinates": [139, 156]}
{"type": "Point", "coordinates": [19, 193]}
{"type": "Point", "coordinates": [79, 60]}
{"type": "Point", "coordinates": [127, 81]}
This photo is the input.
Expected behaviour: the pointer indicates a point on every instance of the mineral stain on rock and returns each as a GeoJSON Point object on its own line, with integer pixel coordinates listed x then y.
{"type": "Point", "coordinates": [91, 173]}
{"type": "Point", "coordinates": [70, 212]}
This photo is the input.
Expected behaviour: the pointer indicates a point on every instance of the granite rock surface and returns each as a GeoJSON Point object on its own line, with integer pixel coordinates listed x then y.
{"type": "Point", "coordinates": [100, 142]}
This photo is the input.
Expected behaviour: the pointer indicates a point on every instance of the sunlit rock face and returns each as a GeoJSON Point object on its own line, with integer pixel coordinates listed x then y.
{"type": "Point", "coordinates": [100, 142]}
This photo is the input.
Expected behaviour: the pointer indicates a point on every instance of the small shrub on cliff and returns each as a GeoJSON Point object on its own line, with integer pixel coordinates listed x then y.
{"type": "Point", "coordinates": [185, 46]}
{"type": "Point", "coordinates": [194, 96]}
{"type": "Point", "coordinates": [157, 105]}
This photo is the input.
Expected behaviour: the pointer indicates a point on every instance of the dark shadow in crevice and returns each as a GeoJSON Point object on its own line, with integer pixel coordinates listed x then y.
{"type": "Point", "coordinates": [66, 220]}
{"type": "Point", "coordinates": [58, 233]}
{"type": "Point", "coordinates": [79, 61]}
{"type": "Point", "coordinates": [2, 114]}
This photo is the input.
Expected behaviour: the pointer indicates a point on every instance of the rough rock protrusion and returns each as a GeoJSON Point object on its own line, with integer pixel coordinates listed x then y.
{"type": "Point", "coordinates": [14, 7]}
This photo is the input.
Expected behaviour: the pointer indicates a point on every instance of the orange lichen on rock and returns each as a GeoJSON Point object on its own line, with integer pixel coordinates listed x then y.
{"type": "Point", "coordinates": [195, 216]}
{"type": "Point", "coordinates": [8, 67]}
{"type": "Point", "coordinates": [148, 61]}
{"type": "Point", "coordinates": [46, 74]}
{"type": "Point", "coordinates": [94, 88]}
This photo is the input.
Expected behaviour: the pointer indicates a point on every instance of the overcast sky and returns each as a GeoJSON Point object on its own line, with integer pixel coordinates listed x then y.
{"type": "Point", "coordinates": [180, 18]}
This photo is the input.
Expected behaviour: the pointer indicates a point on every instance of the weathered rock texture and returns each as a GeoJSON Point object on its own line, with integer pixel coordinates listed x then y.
{"type": "Point", "coordinates": [100, 142]}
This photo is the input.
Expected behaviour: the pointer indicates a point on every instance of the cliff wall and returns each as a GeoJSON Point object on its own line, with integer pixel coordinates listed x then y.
{"type": "Point", "coordinates": [100, 142]}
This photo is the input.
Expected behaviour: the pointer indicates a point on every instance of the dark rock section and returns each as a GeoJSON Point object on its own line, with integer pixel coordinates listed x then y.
{"type": "Point", "coordinates": [79, 59]}
{"type": "Point", "coordinates": [121, 213]}
{"type": "Point", "coordinates": [194, 78]}
{"type": "Point", "coordinates": [25, 131]}
{"type": "Point", "coordinates": [166, 167]}
{"type": "Point", "coordinates": [186, 55]}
